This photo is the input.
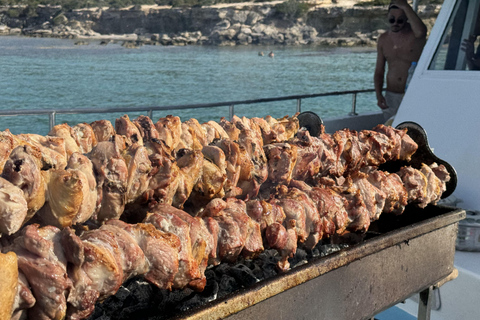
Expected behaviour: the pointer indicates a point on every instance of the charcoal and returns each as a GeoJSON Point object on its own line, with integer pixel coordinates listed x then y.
{"type": "Point", "coordinates": [211, 290]}
{"type": "Point", "coordinates": [140, 291]}
{"type": "Point", "coordinates": [331, 248]}
{"type": "Point", "coordinates": [299, 258]}
{"type": "Point", "coordinates": [227, 285]}
{"type": "Point", "coordinates": [122, 293]}
{"type": "Point", "coordinates": [177, 296]}
{"type": "Point", "coordinates": [222, 268]}
{"type": "Point", "coordinates": [159, 297]}
{"type": "Point", "coordinates": [195, 301]}
{"type": "Point", "coordinates": [210, 275]}
{"type": "Point", "coordinates": [98, 313]}
{"type": "Point", "coordinates": [243, 275]}
{"type": "Point", "coordinates": [249, 263]}
{"type": "Point", "coordinates": [112, 304]}
{"type": "Point", "coordinates": [134, 311]}
{"type": "Point", "coordinates": [315, 252]}
{"type": "Point", "coordinates": [269, 255]}
{"type": "Point", "coordinates": [269, 270]}
{"type": "Point", "coordinates": [258, 271]}
{"type": "Point", "coordinates": [142, 300]}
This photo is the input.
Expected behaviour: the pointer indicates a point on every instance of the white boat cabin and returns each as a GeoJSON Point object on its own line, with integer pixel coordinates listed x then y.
{"type": "Point", "coordinates": [444, 97]}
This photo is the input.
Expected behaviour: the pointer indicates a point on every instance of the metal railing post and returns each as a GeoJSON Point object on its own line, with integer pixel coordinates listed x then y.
{"type": "Point", "coordinates": [52, 120]}
{"type": "Point", "coordinates": [231, 111]}
{"type": "Point", "coordinates": [299, 105]}
{"type": "Point", "coordinates": [354, 105]}
{"type": "Point", "coordinates": [150, 113]}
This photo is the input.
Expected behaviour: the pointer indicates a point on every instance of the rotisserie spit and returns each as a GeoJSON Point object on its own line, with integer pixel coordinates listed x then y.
{"type": "Point", "coordinates": [89, 207]}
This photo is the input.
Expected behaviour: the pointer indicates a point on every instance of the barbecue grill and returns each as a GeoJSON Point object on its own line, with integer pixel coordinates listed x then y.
{"type": "Point", "coordinates": [398, 257]}
{"type": "Point", "coordinates": [357, 282]}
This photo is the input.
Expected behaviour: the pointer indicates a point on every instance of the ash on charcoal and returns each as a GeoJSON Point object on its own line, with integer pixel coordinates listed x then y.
{"type": "Point", "coordinates": [331, 248]}
{"type": "Point", "coordinates": [140, 291]}
{"type": "Point", "coordinates": [298, 259]}
{"type": "Point", "coordinates": [211, 289]}
{"type": "Point", "coordinates": [315, 252]}
{"type": "Point", "coordinates": [265, 266]}
{"type": "Point", "coordinates": [122, 293]}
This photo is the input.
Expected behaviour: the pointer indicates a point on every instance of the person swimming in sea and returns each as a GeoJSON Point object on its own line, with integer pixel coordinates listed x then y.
{"type": "Point", "coordinates": [271, 54]}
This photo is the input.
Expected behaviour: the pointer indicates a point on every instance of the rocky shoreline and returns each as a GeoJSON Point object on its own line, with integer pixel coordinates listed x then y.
{"type": "Point", "coordinates": [221, 25]}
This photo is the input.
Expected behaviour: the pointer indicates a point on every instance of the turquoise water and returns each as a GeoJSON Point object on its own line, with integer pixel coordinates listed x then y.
{"type": "Point", "coordinates": [43, 73]}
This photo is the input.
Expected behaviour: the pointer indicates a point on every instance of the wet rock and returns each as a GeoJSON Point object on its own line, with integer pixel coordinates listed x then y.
{"type": "Point", "coordinates": [4, 30]}
{"type": "Point", "coordinates": [259, 28]}
{"type": "Point", "coordinates": [244, 39]}
{"type": "Point", "coordinates": [130, 44]}
{"type": "Point", "coordinates": [165, 40]}
{"type": "Point", "coordinates": [225, 24]}
{"type": "Point", "coordinates": [61, 19]}
{"type": "Point", "coordinates": [239, 16]}
{"type": "Point", "coordinates": [252, 18]}
{"type": "Point", "coordinates": [235, 24]}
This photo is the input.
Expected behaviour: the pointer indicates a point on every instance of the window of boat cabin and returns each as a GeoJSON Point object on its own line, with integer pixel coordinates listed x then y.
{"type": "Point", "coordinates": [464, 23]}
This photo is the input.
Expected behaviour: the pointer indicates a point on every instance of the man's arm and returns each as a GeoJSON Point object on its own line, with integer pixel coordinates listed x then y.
{"type": "Point", "coordinates": [476, 59]}
{"type": "Point", "coordinates": [418, 27]}
{"type": "Point", "coordinates": [468, 47]}
{"type": "Point", "coordinates": [379, 74]}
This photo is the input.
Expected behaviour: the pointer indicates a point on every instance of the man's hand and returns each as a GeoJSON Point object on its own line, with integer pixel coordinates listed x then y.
{"type": "Point", "coordinates": [467, 46]}
{"type": "Point", "coordinates": [419, 28]}
{"type": "Point", "coordinates": [382, 103]}
{"type": "Point", "coordinates": [401, 4]}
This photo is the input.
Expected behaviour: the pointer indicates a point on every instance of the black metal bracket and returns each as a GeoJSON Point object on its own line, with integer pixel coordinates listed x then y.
{"type": "Point", "coordinates": [424, 154]}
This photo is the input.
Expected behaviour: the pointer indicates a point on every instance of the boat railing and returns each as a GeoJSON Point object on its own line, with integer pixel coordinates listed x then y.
{"type": "Point", "coordinates": [231, 104]}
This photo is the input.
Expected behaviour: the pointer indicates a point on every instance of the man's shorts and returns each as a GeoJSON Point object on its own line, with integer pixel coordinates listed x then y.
{"type": "Point", "coordinates": [393, 100]}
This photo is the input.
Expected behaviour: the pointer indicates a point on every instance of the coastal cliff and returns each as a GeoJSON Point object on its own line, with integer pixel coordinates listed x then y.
{"type": "Point", "coordinates": [222, 25]}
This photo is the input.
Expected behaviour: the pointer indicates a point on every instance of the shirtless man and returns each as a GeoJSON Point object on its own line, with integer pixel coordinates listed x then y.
{"type": "Point", "coordinates": [398, 48]}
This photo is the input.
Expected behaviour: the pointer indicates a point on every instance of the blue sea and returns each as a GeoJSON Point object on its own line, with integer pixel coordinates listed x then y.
{"type": "Point", "coordinates": [46, 73]}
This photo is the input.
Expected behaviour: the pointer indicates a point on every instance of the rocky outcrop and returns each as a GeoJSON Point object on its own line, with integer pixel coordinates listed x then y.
{"type": "Point", "coordinates": [239, 24]}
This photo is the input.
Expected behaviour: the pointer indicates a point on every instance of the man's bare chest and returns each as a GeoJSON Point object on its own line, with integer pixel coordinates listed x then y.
{"type": "Point", "coordinates": [401, 48]}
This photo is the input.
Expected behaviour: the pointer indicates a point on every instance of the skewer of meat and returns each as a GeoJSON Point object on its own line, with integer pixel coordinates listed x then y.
{"type": "Point", "coordinates": [129, 173]}
{"type": "Point", "coordinates": [171, 248]}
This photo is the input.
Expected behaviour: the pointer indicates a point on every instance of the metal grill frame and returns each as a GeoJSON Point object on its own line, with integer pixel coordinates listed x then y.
{"type": "Point", "coordinates": [357, 282]}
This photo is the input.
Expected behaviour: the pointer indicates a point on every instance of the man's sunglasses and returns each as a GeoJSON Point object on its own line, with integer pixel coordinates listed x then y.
{"type": "Point", "coordinates": [399, 21]}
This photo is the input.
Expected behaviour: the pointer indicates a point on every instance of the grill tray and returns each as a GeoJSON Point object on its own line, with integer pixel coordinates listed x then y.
{"type": "Point", "coordinates": [357, 282]}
